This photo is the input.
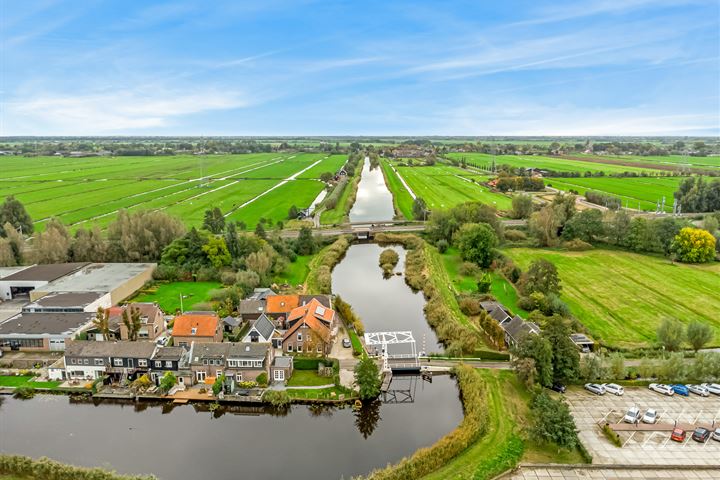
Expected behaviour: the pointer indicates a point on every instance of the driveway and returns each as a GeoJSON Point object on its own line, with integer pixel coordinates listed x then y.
{"type": "Point", "coordinates": [642, 447]}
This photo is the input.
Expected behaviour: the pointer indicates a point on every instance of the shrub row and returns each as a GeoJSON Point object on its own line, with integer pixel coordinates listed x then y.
{"type": "Point", "coordinates": [475, 424]}
{"type": "Point", "coordinates": [320, 277]}
{"type": "Point", "coordinates": [51, 470]}
{"type": "Point", "coordinates": [332, 199]}
{"type": "Point", "coordinates": [348, 314]}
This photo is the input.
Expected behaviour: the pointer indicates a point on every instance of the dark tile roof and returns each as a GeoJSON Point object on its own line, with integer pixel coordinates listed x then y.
{"type": "Point", "coordinates": [261, 294]}
{"type": "Point", "coordinates": [323, 299]}
{"type": "Point", "coordinates": [169, 353]}
{"type": "Point", "coordinates": [248, 307]}
{"type": "Point", "coordinates": [45, 273]}
{"type": "Point", "coordinates": [84, 348]}
{"type": "Point", "coordinates": [64, 300]}
{"type": "Point", "coordinates": [45, 323]}
{"type": "Point", "coordinates": [264, 326]}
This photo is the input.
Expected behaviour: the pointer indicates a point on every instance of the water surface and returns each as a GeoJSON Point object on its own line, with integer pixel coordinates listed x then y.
{"type": "Point", "coordinates": [374, 201]}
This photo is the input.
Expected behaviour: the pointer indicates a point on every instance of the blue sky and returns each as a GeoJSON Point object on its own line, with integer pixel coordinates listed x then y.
{"type": "Point", "coordinates": [596, 67]}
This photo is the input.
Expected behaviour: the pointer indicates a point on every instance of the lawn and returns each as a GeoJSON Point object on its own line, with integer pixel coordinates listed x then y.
{"type": "Point", "coordinates": [545, 163]}
{"type": "Point", "coordinates": [307, 378]}
{"type": "Point", "coordinates": [621, 297]}
{"type": "Point", "coordinates": [444, 186]}
{"type": "Point", "coordinates": [316, 394]}
{"type": "Point", "coordinates": [330, 164]}
{"type": "Point", "coordinates": [167, 295]}
{"type": "Point", "coordinates": [24, 381]}
{"type": "Point", "coordinates": [296, 272]}
{"type": "Point", "coordinates": [643, 192]}
{"type": "Point", "coordinates": [402, 200]}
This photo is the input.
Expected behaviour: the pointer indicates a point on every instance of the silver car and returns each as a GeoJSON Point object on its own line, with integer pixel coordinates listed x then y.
{"type": "Point", "coordinates": [712, 387]}
{"type": "Point", "coordinates": [716, 435]}
{"type": "Point", "coordinates": [632, 415]}
{"type": "Point", "coordinates": [595, 388]}
{"type": "Point", "coordinates": [650, 416]}
{"type": "Point", "coordinates": [614, 388]}
{"type": "Point", "coordinates": [699, 390]}
{"type": "Point", "coordinates": [662, 388]}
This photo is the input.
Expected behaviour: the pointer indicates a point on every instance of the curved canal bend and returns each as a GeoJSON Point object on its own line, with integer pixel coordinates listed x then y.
{"type": "Point", "coordinates": [189, 442]}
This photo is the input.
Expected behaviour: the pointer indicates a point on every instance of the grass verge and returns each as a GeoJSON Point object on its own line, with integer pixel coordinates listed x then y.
{"type": "Point", "coordinates": [17, 381]}
{"type": "Point", "coordinates": [307, 378]}
{"type": "Point", "coordinates": [402, 201]}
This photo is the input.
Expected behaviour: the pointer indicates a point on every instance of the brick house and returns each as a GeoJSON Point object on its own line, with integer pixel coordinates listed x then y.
{"type": "Point", "coordinates": [120, 360]}
{"type": "Point", "coordinates": [311, 329]}
{"type": "Point", "coordinates": [198, 327]}
{"type": "Point", "coordinates": [238, 361]}
{"type": "Point", "coordinates": [278, 307]}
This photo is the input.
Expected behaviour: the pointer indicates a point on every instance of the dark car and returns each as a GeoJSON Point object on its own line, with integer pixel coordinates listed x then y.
{"type": "Point", "coordinates": [558, 387]}
{"type": "Point", "coordinates": [701, 435]}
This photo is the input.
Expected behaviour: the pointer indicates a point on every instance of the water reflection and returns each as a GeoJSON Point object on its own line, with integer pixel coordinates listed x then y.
{"type": "Point", "coordinates": [374, 201]}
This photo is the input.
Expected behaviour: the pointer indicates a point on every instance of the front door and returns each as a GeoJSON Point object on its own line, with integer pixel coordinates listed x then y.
{"type": "Point", "coordinates": [279, 375]}
{"type": "Point", "coordinates": [200, 376]}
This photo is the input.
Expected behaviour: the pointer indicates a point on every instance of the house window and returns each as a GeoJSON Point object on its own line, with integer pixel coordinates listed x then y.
{"type": "Point", "coordinates": [289, 347]}
{"type": "Point", "coordinates": [299, 337]}
{"type": "Point", "coordinates": [72, 361]}
{"type": "Point", "coordinates": [168, 363]}
{"type": "Point", "coordinates": [279, 375]}
{"type": "Point", "coordinates": [118, 362]}
{"type": "Point", "coordinates": [99, 361]}
{"type": "Point", "coordinates": [218, 373]}
{"type": "Point", "coordinates": [142, 362]}
{"type": "Point", "coordinates": [158, 363]}
{"type": "Point", "coordinates": [319, 348]}
{"type": "Point", "coordinates": [205, 361]}
{"type": "Point", "coordinates": [193, 331]}
{"type": "Point", "coordinates": [182, 344]}
{"type": "Point", "coordinates": [200, 376]}
{"type": "Point", "coordinates": [299, 349]}
{"type": "Point", "coordinates": [86, 361]}
{"type": "Point", "coordinates": [238, 377]}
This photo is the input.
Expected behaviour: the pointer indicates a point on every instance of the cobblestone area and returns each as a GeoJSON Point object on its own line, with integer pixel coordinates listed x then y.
{"type": "Point", "coordinates": [646, 447]}
{"type": "Point", "coordinates": [565, 473]}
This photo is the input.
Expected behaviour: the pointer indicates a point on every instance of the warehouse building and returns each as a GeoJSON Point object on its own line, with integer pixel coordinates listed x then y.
{"type": "Point", "coordinates": [42, 331]}
{"type": "Point", "coordinates": [21, 283]}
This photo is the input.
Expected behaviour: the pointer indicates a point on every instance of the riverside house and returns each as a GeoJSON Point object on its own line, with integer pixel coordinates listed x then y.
{"type": "Point", "coordinates": [311, 329]}
{"type": "Point", "coordinates": [198, 327]}
{"type": "Point", "coordinates": [238, 361]}
{"type": "Point", "coordinates": [88, 360]}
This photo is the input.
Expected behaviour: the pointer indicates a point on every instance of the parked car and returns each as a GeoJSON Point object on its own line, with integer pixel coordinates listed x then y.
{"type": "Point", "coordinates": [699, 390]}
{"type": "Point", "coordinates": [678, 435]}
{"type": "Point", "coordinates": [650, 416]}
{"type": "Point", "coordinates": [712, 387]}
{"type": "Point", "coordinates": [681, 389]}
{"type": "Point", "coordinates": [595, 388]}
{"type": "Point", "coordinates": [716, 435]}
{"type": "Point", "coordinates": [701, 434]}
{"type": "Point", "coordinates": [614, 388]}
{"type": "Point", "coordinates": [662, 388]}
{"type": "Point", "coordinates": [558, 387]}
{"type": "Point", "coordinates": [346, 343]}
{"type": "Point", "coordinates": [632, 415]}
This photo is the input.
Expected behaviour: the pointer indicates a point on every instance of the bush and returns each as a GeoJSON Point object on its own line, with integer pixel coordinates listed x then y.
{"type": "Point", "coordinates": [24, 393]}
{"type": "Point", "coordinates": [442, 245]}
{"type": "Point", "coordinates": [469, 306]}
{"type": "Point", "coordinates": [515, 235]}
{"type": "Point", "coordinates": [468, 269]}
{"type": "Point", "coordinates": [306, 363]}
{"type": "Point", "coordinates": [47, 469]}
{"type": "Point", "coordinates": [348, 314]}
{"type": "Point", "coordinates": [227, 278]}
{"type": "Point", "coordinates": [277, 398]}
{"type": "Point", "coordinates": [612, 435]}
{"type": "Point", "coordinates": [169, 273]}
{"type": "Point", "coordinates": [262, 379]}
{"type": "Point", "coordinates": [208, 274]}
{"type": "Point", "coordinates": [320, 277]}
{"type": "Point", "coordinates": [577, 245]}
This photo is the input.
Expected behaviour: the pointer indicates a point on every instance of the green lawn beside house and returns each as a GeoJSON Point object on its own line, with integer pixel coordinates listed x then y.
{"type": "Point", "coordinates": [25, 381]}
{"type": "Point", "coordinates": [307, 378]}
{"type": "Point", "coordinates": [167, 295]}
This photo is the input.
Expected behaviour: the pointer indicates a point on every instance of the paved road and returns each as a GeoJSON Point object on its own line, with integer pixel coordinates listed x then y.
{"type": "Point", "coordinates": [577, 472]}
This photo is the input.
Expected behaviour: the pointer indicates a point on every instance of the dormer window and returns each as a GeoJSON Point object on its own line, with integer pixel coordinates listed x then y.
{"type": "Point", "coordinates": [193, 330]}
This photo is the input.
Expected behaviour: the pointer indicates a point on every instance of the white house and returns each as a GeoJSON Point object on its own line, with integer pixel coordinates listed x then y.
{"type": "Point", "coordinates": [263, 330]}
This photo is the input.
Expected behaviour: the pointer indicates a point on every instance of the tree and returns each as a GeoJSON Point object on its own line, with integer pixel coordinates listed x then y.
{"type": "Point", "coordinates": [88, 246]}
{"type": "Point", "coordinates": [305, 243]}
{"type": "Point", "coordinates": [142, 236]}
{"type": "Point", "coordinates": [214, 221]}
{"type": "Point", "coordinates": [326, 176]}
{"type": "Point", "coordinates": [671, 334]}
{"type": "Point", "coordinates": [293, 212]}
{"type": "Point", "coordinates": [484, 283]}
{"type": "Point", "coordinates": [102, 322]}
{"type": "Point", "coordinates": [52, 245]}
{"type": "Point", "coordinates": [586, 225]}
{"type": "Point", "coordinates": [593, 367]}
{"type": "Point", "coordinates": [542, 276]}
{"type": "Point", "coordinates": [218, 385]}
{"type": "Point", "coordinates": [131, 320]}
{"type": "Point", "coordinates": [539, 349]}
{"type": "Point", "coordinates": [7, 256]}
{"type": "Point", "coordinates": [694, 245]}
{"type": "Point", "coordinates": [545, 225]}
{"type": "Point", "coordinates": [566, 358]}
{"type": "Point", "coordinates": [419, 209]}
{"type": "Point", "coordinates": [522, 206]}
{"type": "Point", "coordinates": [260, 231]}
{"type": "Point", "coordinates": [260, 263]}
{"type": "Point", "coordinates": [217, 252]}
{"type": "Point", "coordinates": [617, 365]}
{"type": "Point", "coordinates": [553, 422]}
{"type": "Point", "coordinates": [12, 211]}
{"type": "Point", "coordinates": [525, 369]}
{"type": "Point", "coordinates": [698, 335]}
{"type": "Point", "coordinates": [476, 243]}
{"type": "Point", "coordinates": [367, 378]}
{"type": "Point", "coordinates": [167, 381]}
{"type": "Point", "coordinates": [16, 242]}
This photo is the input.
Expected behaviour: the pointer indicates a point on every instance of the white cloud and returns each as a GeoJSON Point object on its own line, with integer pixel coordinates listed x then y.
{"type": "Point", "coordinates": [111, 112]}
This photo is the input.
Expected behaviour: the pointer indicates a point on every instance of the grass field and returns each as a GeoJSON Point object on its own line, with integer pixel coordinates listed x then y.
{"type": "Point", "coordinates": [296, 271]}
{"type": "Point", "coordinates": [167, 295]}
{"type": "Point", "coordinates": [546, 163]}
{"type": "Point", "coordinates": [307, 378]}
{"type": "Point", "coordinates": [90, 191]}
{"type": "Point", "coordinates": [672, 160]}
{"type": "Point", "coordinates": [622, 297]}
{"type": "Point", "coordinates": [24, 381]}
{"type": "Point", "coordinates": [402, 200]}
{"type": "Point", "coordinates": [641, 192]}
{"type": "Point", "coordinates": [444, 186]}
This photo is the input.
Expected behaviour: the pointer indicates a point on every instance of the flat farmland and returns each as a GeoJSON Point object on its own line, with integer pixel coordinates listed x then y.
{"type": "Point", "coordinates": [402, 200]}
{"type": "Point", "coordinates": [621, 297]}
{"type": "Point", "coordinates": [546, 163]}
{"type": "Point", "coordinates": [444, 186]}
{"type": "Point", "coordinates": [642, 192]}
{"type": "Point", "coordinates": [90, 191]}
{"type": "Point", "coordinates": [672, 160]}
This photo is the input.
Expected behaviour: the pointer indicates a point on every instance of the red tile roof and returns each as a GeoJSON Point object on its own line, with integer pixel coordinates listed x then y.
{"type": "Point", "coordinates": [281, 303]}
{"type": "Point", "coordinates": [205, 325]}
{"type": "Point", "coordinates": [314, 314]}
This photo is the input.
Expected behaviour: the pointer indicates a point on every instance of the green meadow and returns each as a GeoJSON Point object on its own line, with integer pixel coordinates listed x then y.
{"type": "Point", "coordinates": [621, 297]}
{"type": "Point", "coordinates": [635, 192]}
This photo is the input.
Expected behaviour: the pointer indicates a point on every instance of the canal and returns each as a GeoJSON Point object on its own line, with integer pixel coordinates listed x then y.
{"type": "Point", "coordinates": [305, 442]}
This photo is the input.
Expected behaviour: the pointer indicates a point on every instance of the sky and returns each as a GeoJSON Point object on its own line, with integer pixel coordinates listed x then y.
{"type": "Point", "coordinates": [275, 67]}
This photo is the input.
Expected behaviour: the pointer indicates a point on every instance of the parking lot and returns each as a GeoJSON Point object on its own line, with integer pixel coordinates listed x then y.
{"type": "Point", "coordinates": [646, 447]}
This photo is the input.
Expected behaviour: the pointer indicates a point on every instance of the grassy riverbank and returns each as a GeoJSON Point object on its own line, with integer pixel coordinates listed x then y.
{"type": "Point", "coordinates": [346, 200]}
{"type": "Point", "coordinates": [18, 467]}
{"type": "Point", "coordinates": [402, 201]}
{"type": "Point", "coordinates": [319, 278]}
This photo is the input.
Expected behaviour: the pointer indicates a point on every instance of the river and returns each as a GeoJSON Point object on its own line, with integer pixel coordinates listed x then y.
{"type": "Point", "coordinates": [189, 442]}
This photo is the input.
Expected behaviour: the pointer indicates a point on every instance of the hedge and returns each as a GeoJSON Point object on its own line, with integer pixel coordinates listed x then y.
{"type": "Point", "coordinates": [48, 469]}
{"type": "Point", "coordinates": [319, 280]}
{"type": "Point", "coordinates": [475, 424]}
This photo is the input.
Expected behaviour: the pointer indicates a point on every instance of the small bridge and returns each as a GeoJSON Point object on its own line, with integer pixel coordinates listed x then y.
{"type": "Point", "coordinates": [406, 362]}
